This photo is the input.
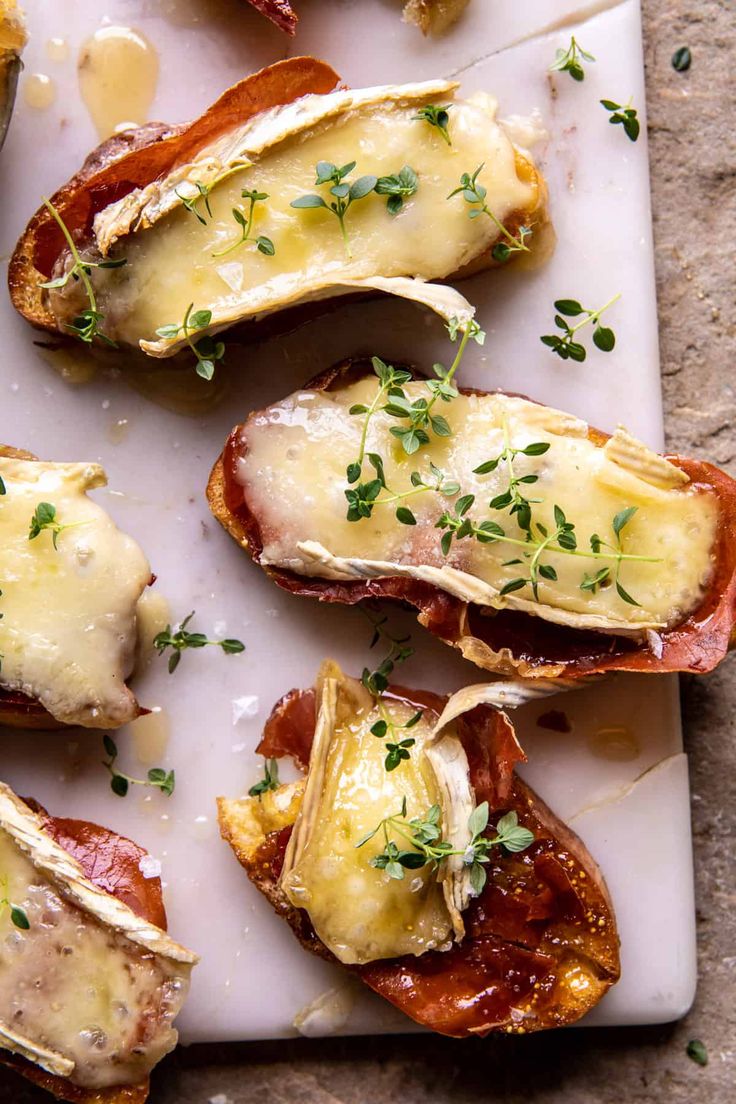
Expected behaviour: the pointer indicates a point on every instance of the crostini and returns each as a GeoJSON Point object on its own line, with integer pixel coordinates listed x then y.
{"type": "Point", "coordinates": [442, 880]}
{"type": "Point", "coordinates": [533, 543]}
{"type": "Point", "coordinates": [91, 981]}
{"type": "Point", "coordinates": [70, 586]}
{"type": "Point", "coordinates": [289, 190]}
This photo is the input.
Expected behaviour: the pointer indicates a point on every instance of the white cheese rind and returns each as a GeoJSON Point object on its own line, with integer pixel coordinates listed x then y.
{"type": "Point", "coordinates": [171, 260]}
{"type": "Point", "coordinates": [68, 630]}
{"type": "Point", "coordinates": [358, 911]}
{"type": "Point", "coordinates": [303, 524]}
{"type": "Point", "coordinates": [92, 987]}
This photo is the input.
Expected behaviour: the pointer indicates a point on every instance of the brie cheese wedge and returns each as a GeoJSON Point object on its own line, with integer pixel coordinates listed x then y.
{"type": "Point", "coordinates": [89, 989]}
{"type": "Point", "coordinates": [69, 598]}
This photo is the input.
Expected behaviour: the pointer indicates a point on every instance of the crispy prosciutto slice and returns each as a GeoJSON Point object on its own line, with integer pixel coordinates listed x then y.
{"type": "Point", "coordinates": [536, 948]}
{"type": "Point", "coordinates": [92, 980]}
{"type": "Point", "coordinates": [667, 605]}
{"type": "Point", "coordinates": [279, 12]}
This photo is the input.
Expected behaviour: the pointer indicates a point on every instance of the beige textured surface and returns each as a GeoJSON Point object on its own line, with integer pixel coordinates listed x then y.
{"type": "Point", "coordinates": [693, 154]}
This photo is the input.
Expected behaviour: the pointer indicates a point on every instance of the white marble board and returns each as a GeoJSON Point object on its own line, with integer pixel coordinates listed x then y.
{"type": "Point", "coordinates": [254, 977]}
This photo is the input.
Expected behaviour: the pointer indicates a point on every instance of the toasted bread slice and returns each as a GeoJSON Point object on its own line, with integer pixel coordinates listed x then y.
{"type": "Point", "coordinates": [508, 635]}
{"type": "Point", "coordinates": [540, 946]}
{"type": "Point", "coordinates": [268, 131]}
{"type": "Point", "coordinates": [99, 873]}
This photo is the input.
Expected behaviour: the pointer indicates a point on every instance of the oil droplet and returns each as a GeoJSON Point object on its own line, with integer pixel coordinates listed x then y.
{"type": "Point", "coordinates": [152, 617]}
{"type": "Point", "coordinates": [57, 49]}
{"type": "Point", "coordinates": [39, 91]}
{"type": "Point", "coordinates": [73, 367]}
{"type": "Point", "coordinates": [118, 71]}
{"type": "Point", "coordinates": [150, 736]}
{"type": "Point", "coordinates": [615, 743]}
{"type": "Point", "coordinates": [118, 431]}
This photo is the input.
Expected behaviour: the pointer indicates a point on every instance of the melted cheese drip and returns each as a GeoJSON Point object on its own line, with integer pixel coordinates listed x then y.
{"type": "Point", "coordinates": [68, 628]}
{"type": "Point", "coordinates": [72, 986]}
{"type": "Point", "coordinates": [294, 478]}
{"type": "Point", "coordinates": [359, 912]}
{"type": "Point", "coordinates": [171, 265]}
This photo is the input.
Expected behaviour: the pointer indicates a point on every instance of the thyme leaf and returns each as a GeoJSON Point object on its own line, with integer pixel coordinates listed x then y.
{"type": "Point", "coordinates": [475, 194]}
{"type": "Point", "coordinates": [436, 117]}
{"type": "Point", "coordinates": [245, 222]}
{"type": "Point", "coordinates": [182, 639]}
{"type": "Point", "coordinates": [398, 188]}
{"type": "Point", "coordinates": [344, 193]}
{"type": "Point", "coordinates": [157, 777]}
{"type": "Point", "coordinates": [566, 346]}
{"type": "Point", "coordinates": [625, 115]}
{"type": "Point", "coordinates": [44, 517]}
{"type": "Point", "coordinates": [207, 350]}
{"type": "Point", "coordinates": [570, 60]}
{"type": "Point", "coordinates": [270, 780]}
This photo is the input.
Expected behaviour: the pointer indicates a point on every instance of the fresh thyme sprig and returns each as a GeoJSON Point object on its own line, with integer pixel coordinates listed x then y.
{"type": "Point", "coordinates": [566, 346]}
{"type": "Point", "coordinates": [417, 414]}
{"type": "Point", "coordinates": [270, 780]}
{"type": "Point", "coordinates": [207, 351]}
{"type": "Point", "coordinates": [245, 222]}
{"type": "Point", "coordinates": [203, 191]}
{"type": "Point", "coordinates": [18, 915]}
{"type": "Point", "coordinates": [44, 517]}
{"type": "Point", "coordinates": [183, 639]}
{"type": "Point", "coordinates": [86, 325]}
{"type": "Point", "coordinates": [157, 777]}
{"type": "Point", "coordinates": [570, 60]}
{"type": "Point", "coordinates": [398, 188]}
{"type": "Point", "coordinates": [436, 117]}
{"type": "Point", "coordinates": [426, 846]}
{"type": "Point", "coordinates": [344, 193]}
{"type": "Point", "coordinates": [376, 683]}
{"type": "Point", "coordinates": [538, 542]}
{"type": "Point", "coordinates": [363, 499]}
{"type": "Point", "coordinates": [475, 195]}
{"type": "Point", "coordinates": [512, 498]}
{"type": "Point", "coordinates": [624, 115]}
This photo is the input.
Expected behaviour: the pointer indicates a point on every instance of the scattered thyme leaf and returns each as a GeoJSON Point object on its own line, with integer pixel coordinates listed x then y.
{"type": "Point", "coordinates": [182, 639]}
{"type": "Point", "coordinates": [474, 194]}
{"type": "Point", "coordinates": [681, 59]}
{"type": "Point", "coordinates": [86, 325]}
{"type": "Point", "coordinates": [270, 780]}
{"type": "Point", "coordinates": [566, 346]}
{"type": "Point", "coordinates": [157, 777]}
{"type": "Point", "coordinates": [570, 60]}
{"type": "Point", "coordinates": [245, 222]}
{"type": "Point", "coordinates": [44, 517]}
{"type": "Point", "coordinates": [344, 193]}
{"type": "Point", "coordinates": [696, 1052]}
{"type": "Point", "coordinates": [207, 350]}
{"type": "Point", "coordinates": [436, 117]}
{"type": "Point", "coordinates": [625, 115]}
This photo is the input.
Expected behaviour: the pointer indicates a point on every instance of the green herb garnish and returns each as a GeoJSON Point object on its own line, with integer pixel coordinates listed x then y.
{"type": "Point", "coordinates": [344, 193]}
{"type": "Point", "coordinates": [436, 117]}
{"type": "Point", "coordinates": [376, 682]}
{"type": "Point", "coordinates": [44, 517]}
{"type": "Point", "coordinates": [202, 192]}
{"type": "Point", "coordinates": [475, 195]}
{"type": "Point", "coordinates": [696, 1052]}
{"type": "Point", "coordinates": [397, 188]}
{"type": "Point", "coordinates": [570, 61]}
{"type": "Point", "coordinates": [270, 780]}
{"type": "Point", "coordinates": [625, 115]}
{"type": "Point", "coordinates": [426, 846]}
{"type": "Point", "coordinates": [681, 59]}
{"type": "Point", "coordinates": [566, 346]}
{"type": "Point", "coordinates": [157, 777]}
{"type": "Point", "coordinates": [18, 915]}
{"type": "Point", "coordinates": [182, 639]}
{"type": "Point", "coordinates": [245, 222]}
{"type": "Point", "coordinates": [86, 325]}
{"type": "Point", "coordinates": [206, 349]}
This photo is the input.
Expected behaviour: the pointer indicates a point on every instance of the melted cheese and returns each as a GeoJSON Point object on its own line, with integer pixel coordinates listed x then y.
{"type": "Point", "coordinates": [89, 993]}
{"type": "Point", "coordinates": [170, 261]}
{"type": "Point", "coordinates": [358, 911]}
{"type": "Point", "coordinates": [293, 473]}
{"type": "Point", "coordinates": [68, 627]}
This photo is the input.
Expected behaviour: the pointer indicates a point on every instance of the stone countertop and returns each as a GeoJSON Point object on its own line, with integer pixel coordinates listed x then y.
{"type": "Point", "coordinates": [693, 167]}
